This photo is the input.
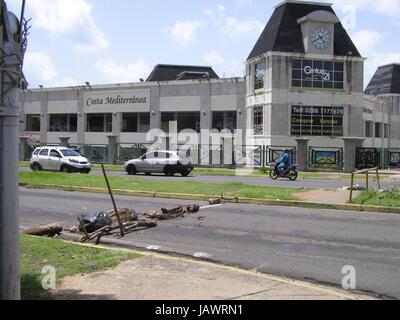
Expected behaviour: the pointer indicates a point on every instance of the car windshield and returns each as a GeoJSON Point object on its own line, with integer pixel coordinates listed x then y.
{"type": "Point", "coordinates": [70, 153]}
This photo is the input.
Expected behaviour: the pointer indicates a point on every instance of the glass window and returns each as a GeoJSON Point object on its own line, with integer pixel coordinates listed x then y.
{"type": "Point", "coordinates": [218, 120]}
{"type": "Point", "coordinates": [32, 123]}
{"type": "Point", "coordinates": [317, 74]}
{"type": "Point", "coordinates": [224, 120]}
{"type": "Point", "coordinates": [368, 129]}
{"type": "Point", "coordinates": [144, 122]}
{"type": "Point", "coordinates": [63, 123]}
{"type": "Point", "coordinates": [386, 131]}
{"type": "Point", "coordinates": [44, 152]}
{"type": "Point", "coordinates": [378, 130]}
{"type": "Point", "coordinates": [189, 120]}
{"type": "Point", "coordinates": [166, 118]}
{"type": "Point", "coordinates": [259, 76]}
{"type": "Point", "coordinates": [55, 154]}
{"type": "Point", "coordinates": [130, 122]}
{"type": "Point", "coordinates": [99, 122]}
{"type": "Point", "coordinates": [258, 121]}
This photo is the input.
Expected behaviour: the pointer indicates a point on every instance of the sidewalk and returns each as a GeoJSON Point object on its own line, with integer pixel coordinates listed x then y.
{"type": "Point", "coordinates": [161, 277]}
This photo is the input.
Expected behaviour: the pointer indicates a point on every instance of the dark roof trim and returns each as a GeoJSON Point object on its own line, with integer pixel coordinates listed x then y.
{"type": "Point", "coordinates": [283, 33]}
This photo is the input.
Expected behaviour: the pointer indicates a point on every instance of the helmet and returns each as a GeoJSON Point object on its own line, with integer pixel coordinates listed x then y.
{"type": "Point", "coordinates": [286, 151]}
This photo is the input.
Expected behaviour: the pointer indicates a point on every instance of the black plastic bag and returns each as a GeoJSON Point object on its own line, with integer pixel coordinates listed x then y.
{"type": "Point", "coordinates": [95, 221]}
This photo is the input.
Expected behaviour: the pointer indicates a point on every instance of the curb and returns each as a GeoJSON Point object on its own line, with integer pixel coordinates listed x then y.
{"type": "Point", "coordinates": [114, 244]}
{"type": "Point", "coordinates": [263, 202]}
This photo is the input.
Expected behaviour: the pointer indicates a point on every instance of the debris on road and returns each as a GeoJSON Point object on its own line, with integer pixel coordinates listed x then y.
{"type": "Point", "coordinates": [178, 212]}
{"type": "Point", "coordinates": [50, 230]}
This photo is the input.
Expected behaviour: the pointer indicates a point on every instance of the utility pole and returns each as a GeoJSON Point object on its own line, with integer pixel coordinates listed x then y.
{"type": "Point", "coordinates": [12, 47]}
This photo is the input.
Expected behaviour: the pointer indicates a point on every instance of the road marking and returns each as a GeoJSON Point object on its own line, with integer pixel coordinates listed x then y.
{"type": "Point", "coordinates": [202, 255]}
{"type": "Point", "coordinates": [153, 248]}
{"type": "Point", "coordinates": [210, 207]}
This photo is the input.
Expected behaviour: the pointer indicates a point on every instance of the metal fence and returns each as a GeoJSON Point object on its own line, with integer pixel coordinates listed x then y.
{"type": "Point", "coordinates": [326, 158]}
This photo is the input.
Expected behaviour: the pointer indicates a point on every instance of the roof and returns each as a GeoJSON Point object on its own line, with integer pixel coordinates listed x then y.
{"type": "Point", "coordinates": [283, 33]}
{"type": "Point", "coordinates": [166, 72]}
{"type": "Point", "coordinates": [386, 80]}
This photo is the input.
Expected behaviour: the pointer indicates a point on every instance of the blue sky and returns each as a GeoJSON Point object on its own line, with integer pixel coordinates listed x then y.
{"type": "Point", "coordinates": [114, 41]}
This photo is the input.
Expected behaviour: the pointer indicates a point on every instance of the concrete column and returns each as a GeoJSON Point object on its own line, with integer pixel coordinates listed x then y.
{"type": "Point", "coordinates": [350, 147]}
{"type": "Point", "coordinates": [23, 142]}
{"type": "Point", "coordinates": [64, 141]}
{"type": "Point", "coordinates": [112, 149]}
{"type": "Point", "coordinates": [302, 154]}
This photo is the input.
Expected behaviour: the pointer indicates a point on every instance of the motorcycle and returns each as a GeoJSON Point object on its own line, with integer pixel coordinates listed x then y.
{"type": "Point", "coordinates": [290, 174]}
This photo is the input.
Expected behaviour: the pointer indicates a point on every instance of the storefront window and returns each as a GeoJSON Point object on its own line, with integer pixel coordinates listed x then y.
{"type": "Point", "coordinates": [189, 120]}
{"type": "Point", "coordinates": [99, 122]}
{"type": "Point", "coordinates": [259, 76]}
{"type": "Point", "coordinates": [386, 131]}
{"type": "Point", "coordinates": [166, 119]}
{"type": "Point", "coordinates": [317, 74]}
{"type": "Point", "coordinates": [144, 122]}
{"type": "Point", "coordinates": [224, 120]}
{"type": "Point", "coordinates": [63, 123]}
{"type": "Point", "coordinates": [317, 121]}
{"type": "Point", "coordinates": [32, 123]}
{"type": "Point", "coordinates": [129, 122]}
{"type": "Point", "coordinates": [258, 121]}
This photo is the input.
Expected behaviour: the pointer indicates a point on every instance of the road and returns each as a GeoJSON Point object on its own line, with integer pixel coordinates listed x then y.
{"type": "Point", "coordinates": [258, 181]}
{"type": "Point", "coordinates": [312, 245]}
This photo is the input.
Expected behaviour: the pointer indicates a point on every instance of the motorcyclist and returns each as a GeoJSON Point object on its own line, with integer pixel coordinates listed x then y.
{"type": "Point", "coordinates": [285, 163]}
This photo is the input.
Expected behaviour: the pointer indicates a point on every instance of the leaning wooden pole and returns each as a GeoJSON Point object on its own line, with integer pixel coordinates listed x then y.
{"type": "Point", "coordinates": [121, 226]}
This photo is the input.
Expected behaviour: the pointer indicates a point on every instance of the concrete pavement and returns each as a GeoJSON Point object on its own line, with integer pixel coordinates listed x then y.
{"type": "Point", "coordinates": [304, 244]}
{"type": "Point", "coordinates": [160, 277]}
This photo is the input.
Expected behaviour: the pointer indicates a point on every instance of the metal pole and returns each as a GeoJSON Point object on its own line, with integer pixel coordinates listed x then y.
{"type": "Point", "coordinates": [9, 187]}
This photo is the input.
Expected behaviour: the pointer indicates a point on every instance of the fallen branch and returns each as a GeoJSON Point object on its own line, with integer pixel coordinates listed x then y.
{"type": "Point", "coordinates": [50, 230]}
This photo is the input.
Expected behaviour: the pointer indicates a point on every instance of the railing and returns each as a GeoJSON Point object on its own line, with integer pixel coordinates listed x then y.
{"type": "Point", "coordinates": [326, 158]}
{"type": "Point", "coordinates": [366, 172]}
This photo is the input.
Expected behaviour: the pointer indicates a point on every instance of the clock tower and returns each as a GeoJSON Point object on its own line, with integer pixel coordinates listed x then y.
{"type": "Point", "coordinates": [318, 29]}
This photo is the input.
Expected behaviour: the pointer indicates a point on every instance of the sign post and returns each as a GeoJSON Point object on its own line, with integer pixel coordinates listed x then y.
{"type": "Point", "coordinates": [12, 48]}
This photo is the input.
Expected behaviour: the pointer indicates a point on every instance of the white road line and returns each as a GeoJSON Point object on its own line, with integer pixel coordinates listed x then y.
{"type": "Point", "coordinates": [210, 207]}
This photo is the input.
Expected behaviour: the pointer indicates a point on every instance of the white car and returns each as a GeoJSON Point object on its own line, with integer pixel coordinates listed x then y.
{"type": "Point", "coordinates": [166, 162]}
{"type": "Point", "coordinates": [59, 159]}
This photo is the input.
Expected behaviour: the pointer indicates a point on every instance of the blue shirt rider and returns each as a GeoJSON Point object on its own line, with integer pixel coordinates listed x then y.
{"type": "Point", "coordinates": [285, 162]}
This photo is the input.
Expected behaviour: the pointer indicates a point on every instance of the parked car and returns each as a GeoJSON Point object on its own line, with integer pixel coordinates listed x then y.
{"type": "Point", "coordinates": [167, 162]}
{"type": "Point", "coordinates": [59, 159]}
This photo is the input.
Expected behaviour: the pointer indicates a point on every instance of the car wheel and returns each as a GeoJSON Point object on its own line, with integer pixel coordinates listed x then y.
{"type": "Point", "coordinates": [185, 173]}
{"type": "Point", "coordinates": [169, 171]}
{"type": "Point", "coordinates": [36, 167]}
{"type": "Point", "coordinates": [65, 169]}
{"type": "Point", "coordinates": [131, 170]}
{"type": "Point", "coordinates": [148, 174]}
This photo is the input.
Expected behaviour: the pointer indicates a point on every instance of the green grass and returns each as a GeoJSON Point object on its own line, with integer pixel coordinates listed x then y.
{"type": "Point", "coordinates": [68, 259]}
{"type": "Point", "coordinates": [237, 189]}
{"type": "Point", "coordinates": [375, 198]}
{"type": "Point", "coordinates": [232, 172]}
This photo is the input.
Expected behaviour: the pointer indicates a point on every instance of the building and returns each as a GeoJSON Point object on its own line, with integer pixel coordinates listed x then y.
{"type": "Point", "coordinates": [303, 88]}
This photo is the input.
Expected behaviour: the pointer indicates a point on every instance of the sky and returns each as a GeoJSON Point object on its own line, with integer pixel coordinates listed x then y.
{"type": "Point", "coordinates": [118, 41]}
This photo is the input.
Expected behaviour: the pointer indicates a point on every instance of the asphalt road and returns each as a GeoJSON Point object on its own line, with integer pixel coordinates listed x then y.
{"type": "Point", "coordinates": [313, 245]}
{"type": "Point", "coordinates": [259, 181]}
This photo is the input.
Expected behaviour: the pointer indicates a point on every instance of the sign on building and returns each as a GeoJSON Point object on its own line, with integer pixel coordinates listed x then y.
{"type": "Point", "coordinates": [317, 121]}
{"type": "Point", "coordinates": [117, 101]}
{"type": "Point", "coordinates": [317, 74]}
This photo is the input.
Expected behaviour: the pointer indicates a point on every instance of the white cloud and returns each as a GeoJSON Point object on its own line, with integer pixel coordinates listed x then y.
{"type": "Point", "coordinates": [387, 7]}
{"type": "Point", "coordinates": [184, 33]}
{"type": "Point", "coordinates": [213, 58]}
{"type": "Point", "coordinates": [70, 19]}
{"type": "Point", "coordinates": [39, 69]}
{"type": "Point", "coordinates": [368, 42]}
{"type": "Point", "coordinates": [119, 73]}
{"type": "Point", "coordinates": [244, 3]}
{"type": "Point", "coordinates": [233, 27]}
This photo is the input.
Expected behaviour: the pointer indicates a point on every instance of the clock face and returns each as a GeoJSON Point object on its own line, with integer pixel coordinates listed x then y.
{"type": "Point", "coordinates": [321, 38]}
